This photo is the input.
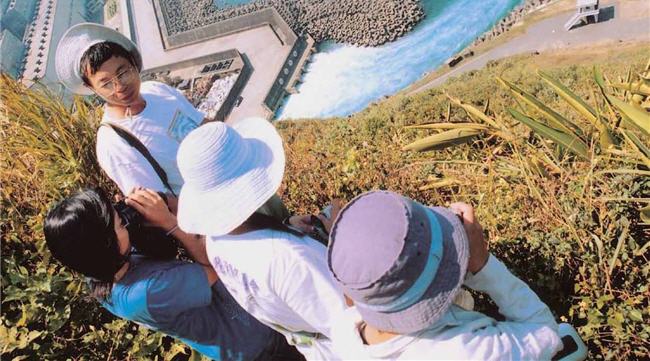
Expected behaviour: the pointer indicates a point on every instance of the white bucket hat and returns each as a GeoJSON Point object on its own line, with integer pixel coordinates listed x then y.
{"type": "Point", "coordinates": [74, 44]}
{"type": "Point", "coordinates": [229, 172]}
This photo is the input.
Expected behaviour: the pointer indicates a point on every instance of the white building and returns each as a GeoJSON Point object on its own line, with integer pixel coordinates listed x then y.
{"type": "Point", "coordinates": [30, 31]}
{"type": "Point", "coordinates": [12, 51]}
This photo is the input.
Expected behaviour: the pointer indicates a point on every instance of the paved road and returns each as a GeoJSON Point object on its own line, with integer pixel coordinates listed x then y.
{"type": "Point", "coordinates": [622, 20]}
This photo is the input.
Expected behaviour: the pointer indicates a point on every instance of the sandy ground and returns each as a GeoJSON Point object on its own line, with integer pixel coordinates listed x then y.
{"type": "Point", "coordinates": [620, 21]}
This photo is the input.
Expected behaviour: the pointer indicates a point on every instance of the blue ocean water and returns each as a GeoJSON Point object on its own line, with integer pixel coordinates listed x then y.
{"type": "Point", "coordinates": [343, 79]}
{"type": "Point", "coordinates": [229, 3]}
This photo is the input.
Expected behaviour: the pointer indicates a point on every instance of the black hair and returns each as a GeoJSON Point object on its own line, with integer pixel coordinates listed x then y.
{"type": "Point", "coordinates": [258, 221]}
{"type": "Point", "coordinates": [80, 233]}
{"type": "Point", "coordinates": [98, 54]}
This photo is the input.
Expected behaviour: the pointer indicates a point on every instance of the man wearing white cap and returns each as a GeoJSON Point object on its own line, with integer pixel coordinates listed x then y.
{"type": "Point", "coordinates": [146, 121]}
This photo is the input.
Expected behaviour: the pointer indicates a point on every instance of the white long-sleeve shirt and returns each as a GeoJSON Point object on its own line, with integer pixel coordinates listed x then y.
{"type": "Point", "coordinates": [283, 281]}
{"type": "Point", "coordinates": [528, 333]}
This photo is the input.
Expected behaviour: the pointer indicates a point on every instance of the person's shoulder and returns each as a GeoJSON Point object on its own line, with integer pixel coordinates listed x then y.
{"type": "Point", "coordinates": [128, 298]}
{"type": "Point", "coordinates": [299, 245]}
{"type": "Point", "coordinates": [160, 277]}
{"type": "Point", "coordinates": [453, 341]}
{"type": "Point", "coordinates": [346, 341]}
{"type": "Point", "coordinates": [109, 142]}
{"type": "Point", "coordinates": [298, 252]}
{"type": "Point", "coordinates": [153, 87]}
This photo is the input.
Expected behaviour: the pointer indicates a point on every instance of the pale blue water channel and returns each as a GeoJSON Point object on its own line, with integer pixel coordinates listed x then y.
{"type": "Point", "coordinates": [343, 79]}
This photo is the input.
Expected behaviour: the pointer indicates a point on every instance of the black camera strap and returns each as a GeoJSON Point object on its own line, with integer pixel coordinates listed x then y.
{"type": "Point", "coordinates": [137, 144]}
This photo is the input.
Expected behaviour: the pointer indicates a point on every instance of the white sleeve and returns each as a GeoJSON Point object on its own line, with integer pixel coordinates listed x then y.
{"type": "Point", "coordinates": [529, 332]}
{"type": "Point", "coordinates": [307, 288]}
{"type": "Point", "coordinates": [124, 164]}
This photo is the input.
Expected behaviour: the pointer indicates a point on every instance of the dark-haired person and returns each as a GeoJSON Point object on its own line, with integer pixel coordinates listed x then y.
{"type": "Point", "coordinates": [276, 274]}
{"type": "Point", "coordinates": [182, 299]}
{"type": "Point", "coordinates": [95, 59]}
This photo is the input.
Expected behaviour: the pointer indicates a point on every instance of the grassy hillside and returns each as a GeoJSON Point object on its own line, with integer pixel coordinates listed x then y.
{"type": "Point", "coordinates": [571, 228]}
{"type": "Point", "coordinates": [568, 226]}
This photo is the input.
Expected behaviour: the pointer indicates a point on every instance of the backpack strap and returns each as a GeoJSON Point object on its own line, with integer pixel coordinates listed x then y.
{"type": "Point", "coordinates": [137, 144]}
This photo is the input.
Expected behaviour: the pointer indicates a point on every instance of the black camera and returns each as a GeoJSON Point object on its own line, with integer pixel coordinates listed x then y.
{"type": "Point", "coordinates": [129, 216]}
{"type": "Point", "coordinates": [147, 240]}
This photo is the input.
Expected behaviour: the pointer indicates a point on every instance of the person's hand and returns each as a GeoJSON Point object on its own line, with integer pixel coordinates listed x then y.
{"type": "Point", "coordinates": [337, 204]}
{"type": "Point", "coordinates": [478, 247]}
{"type": "Point", "coordinates": [152, 207]}
{"type": "Point", "coordinates": [302, 222]}
{"type": "Point", "coordinates": [172, 203]}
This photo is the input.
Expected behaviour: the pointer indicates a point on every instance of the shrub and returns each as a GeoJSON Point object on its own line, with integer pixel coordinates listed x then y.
{"type": "Point", "coordinates": [570, 227]}
{"type": "Point", "coordinates": [573, 231]}
{"type": "Point", "coordinates": [48, 152]}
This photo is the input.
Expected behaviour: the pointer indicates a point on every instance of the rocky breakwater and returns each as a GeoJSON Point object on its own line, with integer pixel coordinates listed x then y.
{"type": "Point", "coordinates": [516, 15]}
{"type": "Point", "coordinates": [358, 22]}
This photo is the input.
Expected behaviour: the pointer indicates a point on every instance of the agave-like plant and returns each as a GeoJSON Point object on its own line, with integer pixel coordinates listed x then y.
{"type": "Point", "coordinates": [619, 124]}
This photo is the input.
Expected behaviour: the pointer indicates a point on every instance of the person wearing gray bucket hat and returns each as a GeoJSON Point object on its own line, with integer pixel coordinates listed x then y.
{"type": "Point", "coordinates": [402, 264]}
{"type": "Point", "coordinates": [278, 275]}
{"type": "Point", "coordinates": [92, 58]}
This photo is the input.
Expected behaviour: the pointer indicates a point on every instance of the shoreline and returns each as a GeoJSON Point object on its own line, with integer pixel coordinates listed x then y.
{"type": "Point", "coordinates": [483, 43]}
{"type": "Point", "coordinates": [515, 16]}
{"type": "Point", "coordinates": [542, 30]}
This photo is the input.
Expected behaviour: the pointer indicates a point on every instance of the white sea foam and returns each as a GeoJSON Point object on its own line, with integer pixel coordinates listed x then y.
{"type": "Point", "coordinates": [344, 79]}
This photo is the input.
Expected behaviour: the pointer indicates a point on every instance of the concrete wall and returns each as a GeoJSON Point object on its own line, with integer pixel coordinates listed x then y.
{"type": "Point", "coordinates": [15, 22]}
{"type": "Point", "coordinates": [68, 13]}
{"type": "Point", "coordinates": [12, 51]}
{"type": "Point", "coordinates": [18, 15]}
{"type": "Point", "coordinates": [234, 93]}
{"type": "Point", "coordinates": [286, 76]}
{"type": "Point", "coordinates": [268, 16]}
{"type": "Point", "coordinates": [212, 58]}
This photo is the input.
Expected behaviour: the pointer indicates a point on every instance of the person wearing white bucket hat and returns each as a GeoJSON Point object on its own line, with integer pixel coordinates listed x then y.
{"type": "Point", "coordinates": [275, 273]}
{"type": "Point", "coordinates": [143, 122]}
{"type": "Point", "coordinates": [146, 123]}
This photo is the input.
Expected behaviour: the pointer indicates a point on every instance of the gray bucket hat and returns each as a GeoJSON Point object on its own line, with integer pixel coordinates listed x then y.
{"type": "Point", "coordinates": [402, 263]}
{"type": "Point", "coordinates": [73, 45]}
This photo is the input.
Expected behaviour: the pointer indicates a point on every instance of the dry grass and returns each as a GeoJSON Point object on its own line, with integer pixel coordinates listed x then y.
{"type": "Point", "coordinates": [569, 227]}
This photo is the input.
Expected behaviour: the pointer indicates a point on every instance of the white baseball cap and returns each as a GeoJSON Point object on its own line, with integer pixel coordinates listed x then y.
{"type": "Point", "coordinates": [75, 42]}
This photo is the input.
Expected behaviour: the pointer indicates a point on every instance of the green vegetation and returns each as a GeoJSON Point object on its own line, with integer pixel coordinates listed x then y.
{"type": "Point", "coordinates": [567, 219]}
{"type": "Point", "coordinates": [562, 203]}
{"type": "Point", "coordinates": [48, 152]}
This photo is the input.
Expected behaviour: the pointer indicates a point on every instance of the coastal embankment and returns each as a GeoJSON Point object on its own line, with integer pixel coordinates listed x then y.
{"type": "Point", "coordinates": [356, 22]}
{"type": "Point", "coordinates": [342, 79]}
{"type": "Point", "coordinates": [627, 22]}
{"type": "Point", "coordinates": [516, 15]}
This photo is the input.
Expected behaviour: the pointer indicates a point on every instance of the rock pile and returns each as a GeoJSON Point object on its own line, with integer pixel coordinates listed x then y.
{"type": "Point", "coordinates": [215, 98]}
{"type": "Point", "coordinates": [515, 16]}
{"type": "Point", "coordinates": [358, 22]}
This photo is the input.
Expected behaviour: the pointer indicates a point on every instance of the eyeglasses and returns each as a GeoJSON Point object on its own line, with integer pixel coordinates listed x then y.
{"type": "Point", "coordinates": [124, 77]}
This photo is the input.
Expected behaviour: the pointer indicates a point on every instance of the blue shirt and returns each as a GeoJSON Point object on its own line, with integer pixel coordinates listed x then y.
{"type": "Point", "coordinates": [174, 297]}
